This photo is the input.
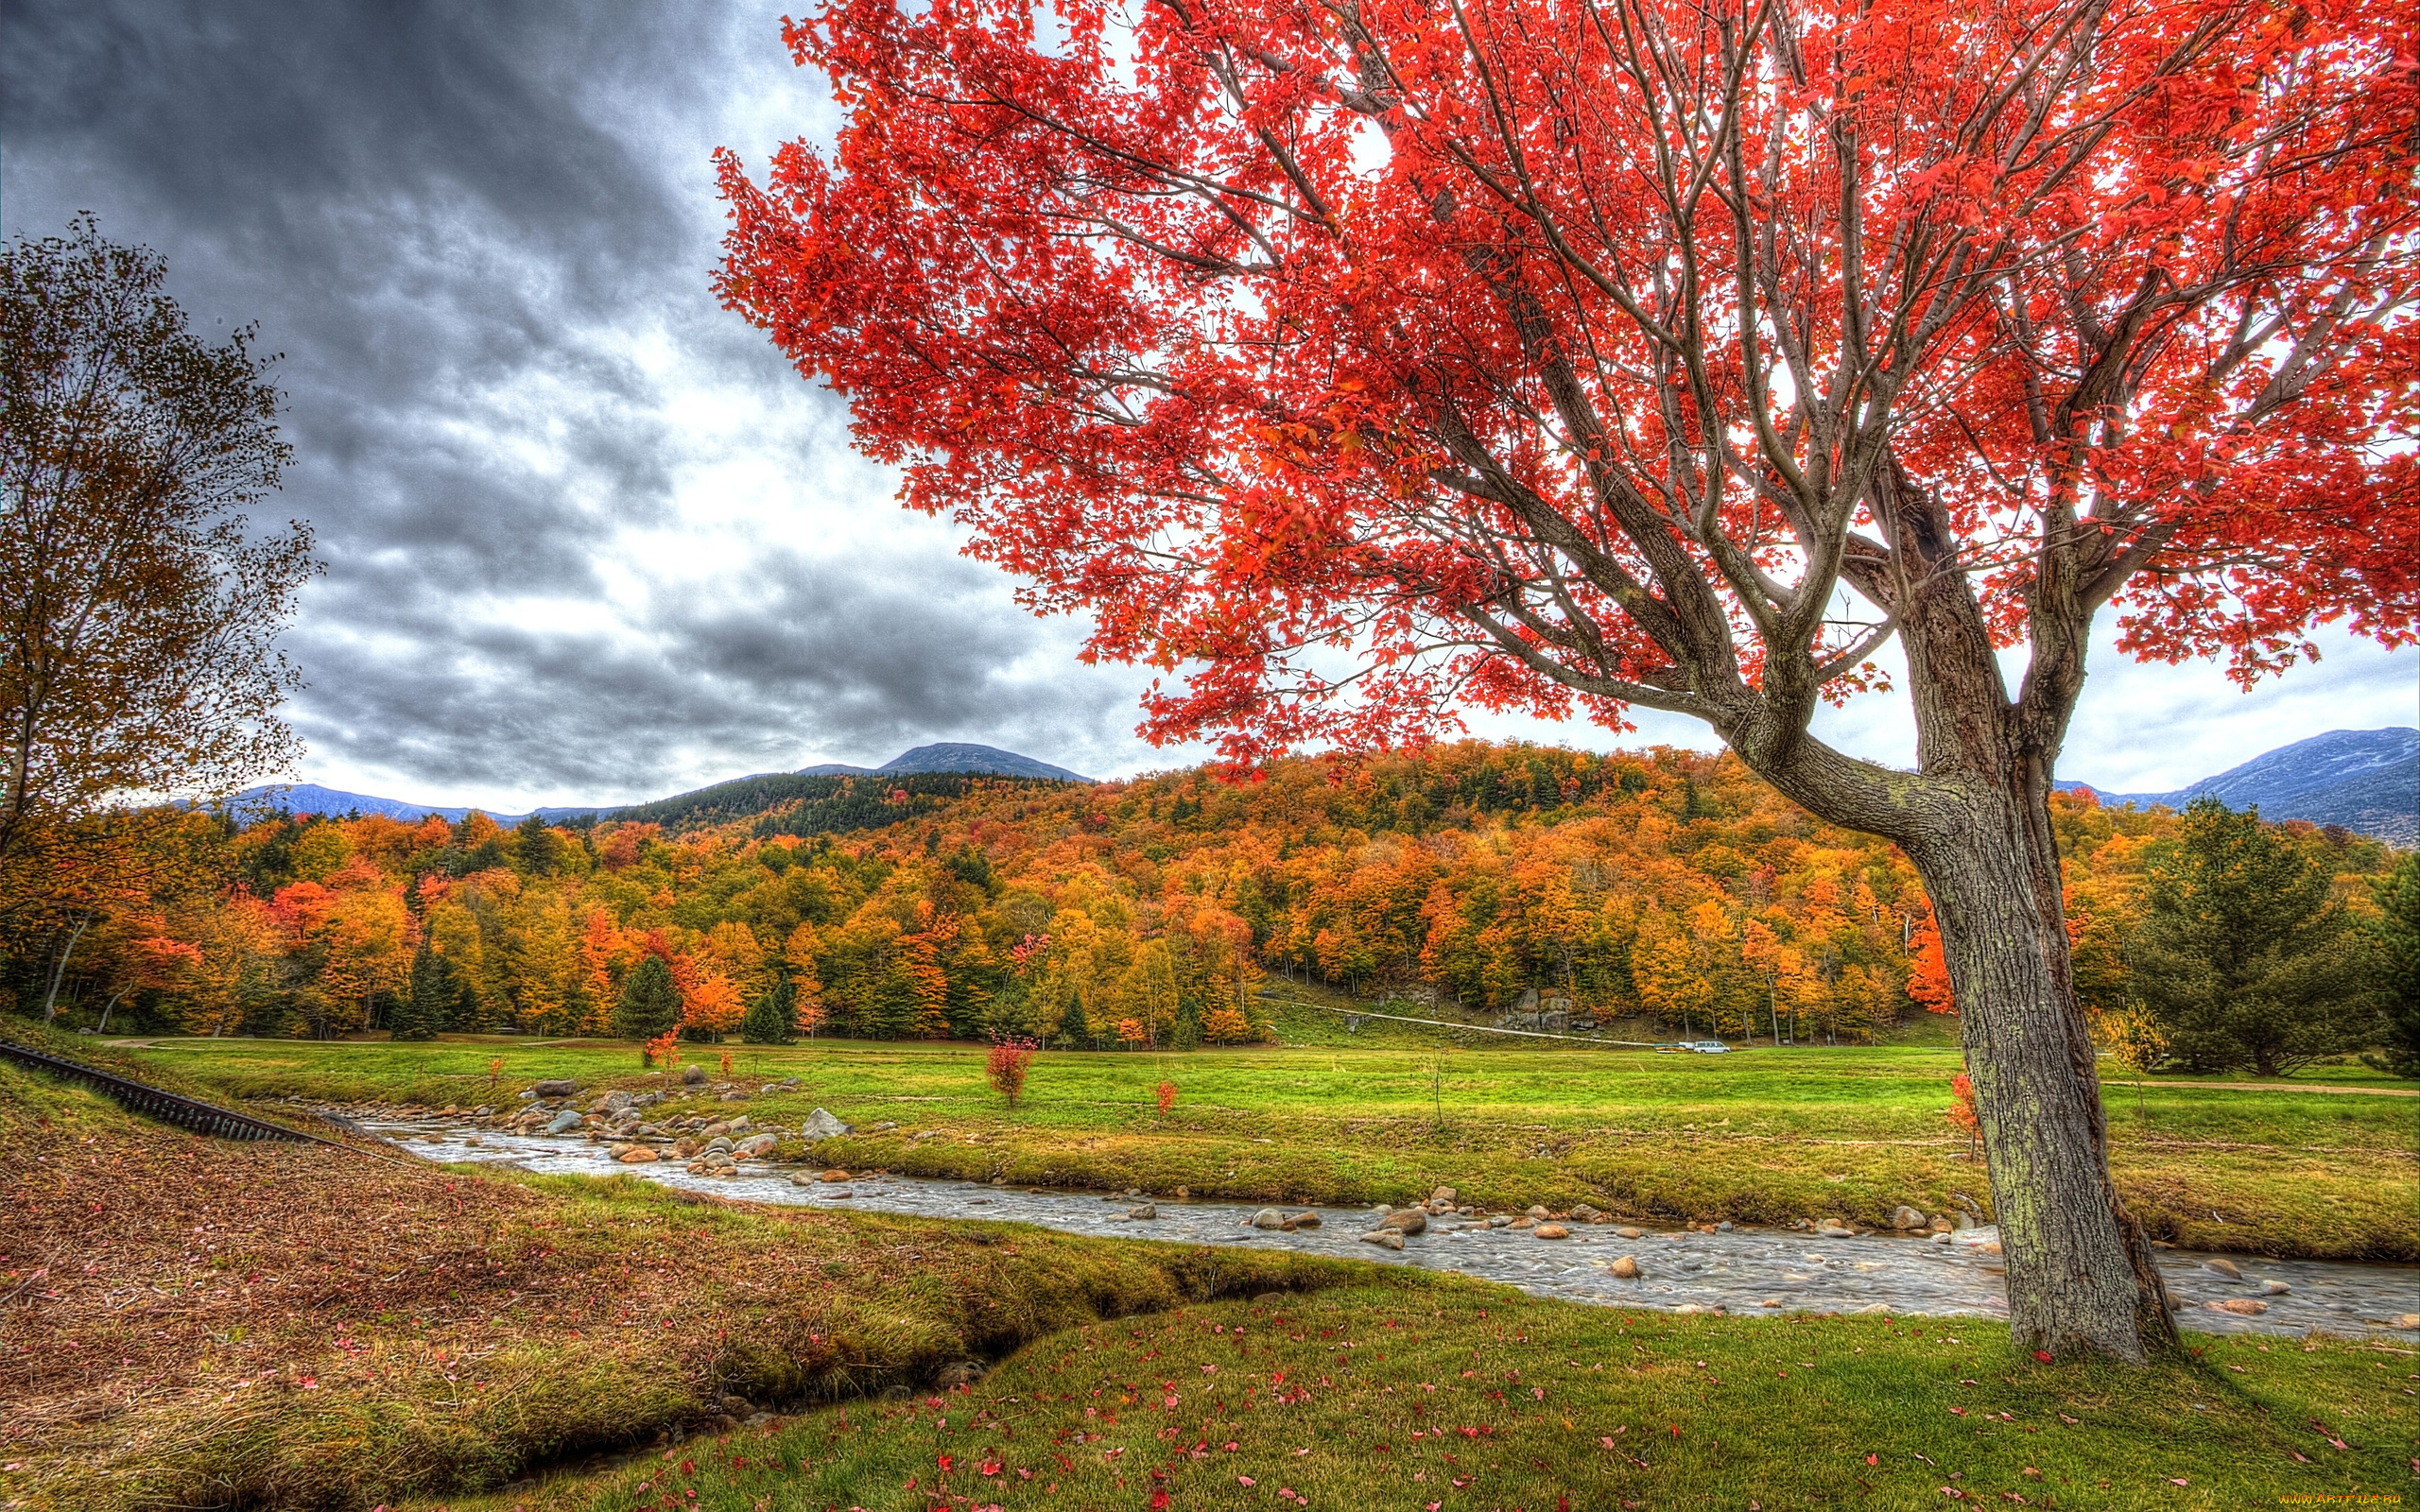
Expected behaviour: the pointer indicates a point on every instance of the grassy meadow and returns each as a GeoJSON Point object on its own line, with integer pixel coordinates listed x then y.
{"type": "Point", "coordinates": [1757, 1135]}
{"type": "Point", "coordinates": [199, 1324]}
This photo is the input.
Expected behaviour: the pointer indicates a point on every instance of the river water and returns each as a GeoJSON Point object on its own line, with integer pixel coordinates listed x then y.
{"type": "Point", "coordinates": [1743, 1271]}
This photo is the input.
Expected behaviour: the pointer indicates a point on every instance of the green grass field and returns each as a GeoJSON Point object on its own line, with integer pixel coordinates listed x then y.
{"type": "Point", "coordinates": [1456, 1396]}
{"type": "Point", "coordinates": [256, 1325]}
{"type": "Point", "coordinates": [1757, 1135]}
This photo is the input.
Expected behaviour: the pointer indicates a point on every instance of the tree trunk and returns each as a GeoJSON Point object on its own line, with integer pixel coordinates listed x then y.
{"type": "Point", "coordinates": [2080, 1278]}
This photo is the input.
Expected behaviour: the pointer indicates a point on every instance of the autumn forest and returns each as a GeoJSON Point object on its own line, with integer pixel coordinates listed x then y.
{"type": "Point", "coordinates": [1665, 886]}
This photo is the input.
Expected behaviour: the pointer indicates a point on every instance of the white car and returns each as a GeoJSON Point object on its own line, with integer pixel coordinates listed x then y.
{"type": "Point", "coordinates": [1706, 1047]}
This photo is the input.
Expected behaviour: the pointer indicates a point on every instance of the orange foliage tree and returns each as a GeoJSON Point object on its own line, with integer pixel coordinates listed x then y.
{"type": "Point", "coordinates": [1566, 357]}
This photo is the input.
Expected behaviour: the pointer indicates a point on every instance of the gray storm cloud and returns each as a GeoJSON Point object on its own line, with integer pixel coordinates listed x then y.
{"type": "Point", "coordinates": [482, 236]}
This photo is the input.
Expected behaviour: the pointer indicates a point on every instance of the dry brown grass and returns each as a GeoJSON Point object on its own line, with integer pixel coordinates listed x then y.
{"type": "Point", "coordinates": [204, 1324]}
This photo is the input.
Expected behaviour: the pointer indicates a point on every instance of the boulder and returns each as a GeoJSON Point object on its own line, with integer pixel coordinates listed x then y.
{"type": "Point", "coordinates": [1383, 1238]}
{"type": "Point", "coordinates": [1551, 1230]}
{"type": "Point", "coordinates": [1834, 1228]}
{"type": "Point", "coordinates": [564, 1121]}
{"type": "Point", "coordinates": [1626, 1267]}
{"type": "Point", "coordinates": [1146, 1211]}
{"type": "Point", "coordinates": [693, 1076]}
{"type": "Point", "coordinates": [2240, 1306]}
{"type": "Point", "coordinates": [821, 1126]}
{"type": "Point", "coordinates": [1446, 1195]}
{"type": "Point", "coordinates": [2223, 1268]}
{"type": "Point", "coordinates": [836, 1176]}
{"type": "Point", "coordinates": [1404, 1221]}
{"type": "Point", "coordinates": [1584, 1213]}
{"type": "Point", "coordinates": [2274, 1288]}
{"type": "Point", "coordinates": [1626, 1232]}
{"type": "Point", "coordinates": [1269, 1218]}
{"type": "Point", "coordinates": [1299, 1220]}
{"type": "Point", "coordinates": [1904, 1216]}
{"type": "Point", "coordinates": [638, 1155]}
{"type": "Point", "coordinates": [755, 1147]}
{"type": "Point", "coordinates": [612, 1102]}
{"type": "Point", "coordinates": [555, 1088]}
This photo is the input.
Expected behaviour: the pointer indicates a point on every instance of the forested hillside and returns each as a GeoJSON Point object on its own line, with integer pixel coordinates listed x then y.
{"type": "Point", "coordinates": [1665, 884]}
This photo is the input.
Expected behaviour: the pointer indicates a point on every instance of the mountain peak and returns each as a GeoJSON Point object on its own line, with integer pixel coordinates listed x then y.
{"type": "Point", "coordinates": [956, 756]}
{"type": "Point", "coordinates": [2364, 779]}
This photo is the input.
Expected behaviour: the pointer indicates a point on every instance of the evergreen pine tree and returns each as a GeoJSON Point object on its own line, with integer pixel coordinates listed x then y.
{"type": "Point", "coordinates": [1072, 1028]}
{"type": "Point", "coordinates": [650, 1003]}
{"type": "Point", "coordinates": [2396, 934]}
{"type": "Point", "coordinates": [2242, 960]}
{"type": "Point", "coordinates": [425, 1009]}
{"type": "Point", "coordinates": [772, 1019]}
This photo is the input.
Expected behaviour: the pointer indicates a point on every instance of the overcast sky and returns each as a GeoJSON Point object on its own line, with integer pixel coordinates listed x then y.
{"type": "Point", "coordinates": [588, 538]}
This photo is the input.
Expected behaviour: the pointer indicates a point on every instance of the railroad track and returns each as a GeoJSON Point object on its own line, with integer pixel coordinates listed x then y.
{"type": "Point", "coordinates": [184, 1113]}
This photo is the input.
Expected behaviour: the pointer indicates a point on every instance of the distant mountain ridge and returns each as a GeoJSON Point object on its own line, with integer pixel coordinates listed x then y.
{"type": "Point", "coordinates": [945, 758]}
{"type": "Point", "coordinates": [2368, 780]}
{"type": "Point", "coordinates": [952, 756]}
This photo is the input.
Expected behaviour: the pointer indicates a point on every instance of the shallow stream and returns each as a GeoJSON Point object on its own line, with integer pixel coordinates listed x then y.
{"type": "Point", "coordinates": [1745, 1270]}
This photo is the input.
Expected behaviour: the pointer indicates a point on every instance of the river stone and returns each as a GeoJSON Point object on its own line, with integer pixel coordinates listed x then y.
{"type": "Point", "coordinates": [1303, 1220]}
{"type": "Point", "coordinates": [2274, 1288]}
{"type": "Point", "coordinates": [1146, 1211]}
{"type": "Point", "coordinates": [1943, 1225]}
{"type": "Point", "coordinates": [1269, 1218]}
{"type": "Point", "coordinates": [1551, 1230]}
{"type": "Point", "coordinates": [564, 1121]}
{"type": "Point", "coordinates": [1626, 1232]}
{"type": "Point", "coordinates": [1626, 1267]}
{"type": "Point", "coordinates": [1904, 1216]}
{"type": "Point", "coordinates": [754, 1146]}
{"type": "Point", "coordinates": [1446, 1196]}
{"type": "Point", "coordinates": [611, 1103]}
{"type": "Point", "coordinates": [1404, 1221]}
{"type": "Point", "coordinates": [834, 1177]}
{"type": "Point", "coordinates": [638, 1155]}
{"type": "Point", "coordinates": [2242, 1306]}
{"type": "Point", "coordinates": [1524, 1224]}
{"type": "Point", "coordinates": [1384, 1238]}
{"type": "Point", "coordinates": [1584, 1213]}
{"type": "Point", "coordinates": [555, 1088]}
{"type": "Point", "coordinates": [693, 1076]}
{"type": "Point", "coordinates": [1537, 1210]}
{"type": "Point", "coordinates": [1941, 1238]}
{"type": "Point", "coordinates": [1834, 1228]}
{"type": "Point", "coordinates": [821, 1126]}
{"type": "Point", "coordinates": [2223, 1268]}
{"type": "Point", "coordinates": [1499, 1221]}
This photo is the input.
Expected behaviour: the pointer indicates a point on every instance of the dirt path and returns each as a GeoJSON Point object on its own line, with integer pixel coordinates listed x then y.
{"type": "Point", "coordinates": [2277, 1087]}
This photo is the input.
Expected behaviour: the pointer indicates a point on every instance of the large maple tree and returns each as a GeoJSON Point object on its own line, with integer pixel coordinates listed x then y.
{"type": "Point", "coordinates": [1357, 360]}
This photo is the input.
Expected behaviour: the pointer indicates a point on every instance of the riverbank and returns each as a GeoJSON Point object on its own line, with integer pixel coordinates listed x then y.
{"type": "Point", "coordinates": [1762, 1137]}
